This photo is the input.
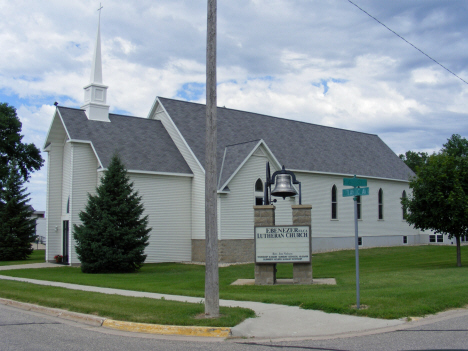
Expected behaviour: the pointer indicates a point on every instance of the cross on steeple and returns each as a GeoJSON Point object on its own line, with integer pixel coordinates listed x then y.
{"type": "Point", "coordinates": [99, 9]}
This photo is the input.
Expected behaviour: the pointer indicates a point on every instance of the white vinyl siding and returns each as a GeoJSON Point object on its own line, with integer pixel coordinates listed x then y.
{"type": "Point", "coordinates": [84, 181]}
{"type": "Point", "coordinates": [237, 214]}
{"type": "Point", "coordinates": [237, 211]}
{"type": "Point", "coordinates": [54, 201]}
{"type": "Point", "coordinates": [167, 203]}
{"type": "Point", "coordinates": [66, 177]}
{"type": "Point", "coordinates": [316, 191]}
{"type": "Point", "coordinates": [198, 180]}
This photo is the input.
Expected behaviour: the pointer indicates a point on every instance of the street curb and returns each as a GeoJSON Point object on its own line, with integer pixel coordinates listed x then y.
{"type": "Point", "coordinates": [55, 312]}
{"type": "Point", "coordinates": [217, 332]}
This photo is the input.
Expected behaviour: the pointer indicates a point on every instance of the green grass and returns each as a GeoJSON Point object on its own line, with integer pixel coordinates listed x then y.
{"type": "Point", "coordinates": [38, 256]}
{"type": "Point", "coordinates": [395, 282]}
{"type": "Point", "coordinates": [133, 309]}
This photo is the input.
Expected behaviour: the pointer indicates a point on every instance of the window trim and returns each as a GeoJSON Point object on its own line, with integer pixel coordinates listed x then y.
{"type": "Point", "coordinates": [334, 202]}
{"type": "Point", "coordinates": [359, 207]}
{"type": "Point", "coordinates": [404, 211]}
{"type": "Point", "coordinates": [258, 195]}
{"type": "Point", "coordinates": [380, 206]}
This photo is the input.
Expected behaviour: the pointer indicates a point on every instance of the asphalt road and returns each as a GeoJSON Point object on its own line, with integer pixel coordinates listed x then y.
{"type": "Point", "coordinates": [23, 330]}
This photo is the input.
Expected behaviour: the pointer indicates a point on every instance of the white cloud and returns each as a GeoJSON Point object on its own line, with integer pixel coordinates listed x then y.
{"type": "Point", "coordinates": [324, 62]}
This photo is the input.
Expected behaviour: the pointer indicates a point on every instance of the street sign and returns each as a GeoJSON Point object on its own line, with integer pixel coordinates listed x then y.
{"type": "Point", "coordinates": [354, 182]}
{"type": "Point", "coordinates": [355, 192]}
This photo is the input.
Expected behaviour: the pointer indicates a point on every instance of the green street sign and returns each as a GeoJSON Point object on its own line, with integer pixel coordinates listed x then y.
{"type": "Point", "coordinates": [354, 182]}
{"type": "Point", "coordinates": [355, 192]}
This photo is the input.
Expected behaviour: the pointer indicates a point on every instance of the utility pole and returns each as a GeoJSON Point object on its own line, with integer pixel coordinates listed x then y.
{"type": "Point", "coordinates": [211, 193]}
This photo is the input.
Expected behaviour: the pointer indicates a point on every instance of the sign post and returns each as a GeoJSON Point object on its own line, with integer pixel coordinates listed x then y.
{"type": "Point", "coordinates": [355, 192]}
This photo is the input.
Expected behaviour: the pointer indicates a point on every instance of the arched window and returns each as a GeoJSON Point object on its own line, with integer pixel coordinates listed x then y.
{"type": "Point", "coordinates": [403, 208]}
{"type": "Point", "coordinates": [259, 185]}
{"type": "Point", "coordinates": [258, 192]}
{"type": "Point", "coordinates": [334, 203]}
{"type": "Point", "coordinates": [68, 205]}
{"type": "Point", "coordinates": [380, 203]}
{"type": "Point", "coordinates": [358, 201]}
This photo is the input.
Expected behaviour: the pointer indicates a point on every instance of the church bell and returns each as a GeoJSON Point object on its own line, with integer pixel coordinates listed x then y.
{"type": "Point", "coordinates": [283, 186]}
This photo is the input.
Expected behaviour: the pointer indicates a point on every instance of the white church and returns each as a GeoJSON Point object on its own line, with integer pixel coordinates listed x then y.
{"type": "Point", "coordinates": [164, 154]}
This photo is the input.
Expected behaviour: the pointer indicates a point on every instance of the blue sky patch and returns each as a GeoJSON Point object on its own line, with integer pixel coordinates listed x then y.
{"type": "Point", "coordinates": [192, 91]}
{"type": "Point", "coordinates": [36, 101]}
{"type": "Point", "coordinates": [324, 83]}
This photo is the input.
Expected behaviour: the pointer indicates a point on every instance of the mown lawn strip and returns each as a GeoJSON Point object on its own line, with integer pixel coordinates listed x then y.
{"type": "Point", "coordinates": [132, 309]}
{"type": "Point", "coordinates": [395, 282]}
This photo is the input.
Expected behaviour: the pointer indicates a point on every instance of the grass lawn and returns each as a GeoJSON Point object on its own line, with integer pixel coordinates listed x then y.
{"type": "Point", "coordinates": [395, 282]}
{"type": "Point", "coordinates": [38, 256]}
{"type": "Point", "coordinates": [133, 309]}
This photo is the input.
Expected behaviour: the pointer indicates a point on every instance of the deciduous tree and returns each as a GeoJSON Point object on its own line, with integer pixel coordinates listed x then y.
{"type": "Point", "coordinates": [439, 200]}
{"type": "Point", "coordinates": [27, 157]}
{"type": "Point", "coordinates": [414, 160]}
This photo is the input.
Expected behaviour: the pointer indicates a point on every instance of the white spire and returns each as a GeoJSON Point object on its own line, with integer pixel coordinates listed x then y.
{"type": "Point", "coordinates": [95, 92]}
{"type": "Point", "coordinates": [96, 68]}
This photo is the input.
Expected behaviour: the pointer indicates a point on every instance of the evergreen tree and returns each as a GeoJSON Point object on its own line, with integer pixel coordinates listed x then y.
{"type": "Point", "coordinates": [113, 234]}
{"type": "Point", "coordinates": [17, 228]}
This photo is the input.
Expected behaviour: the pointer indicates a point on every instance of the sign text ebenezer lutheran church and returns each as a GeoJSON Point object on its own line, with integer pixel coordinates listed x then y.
{"type": "Point", "coordinates": [282, 244]}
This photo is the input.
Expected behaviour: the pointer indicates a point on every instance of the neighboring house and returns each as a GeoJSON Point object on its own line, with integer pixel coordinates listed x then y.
{"type": "Point", "coordinates": [39, 216]}
{"type": "Point", "coordinates": [165, 155]}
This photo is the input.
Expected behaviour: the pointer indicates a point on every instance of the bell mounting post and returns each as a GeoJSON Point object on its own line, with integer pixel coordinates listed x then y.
{"type": "Point", "coordinates": [283, 187]}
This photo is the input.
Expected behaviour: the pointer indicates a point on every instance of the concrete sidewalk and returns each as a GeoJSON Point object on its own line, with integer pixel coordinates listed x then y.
{"type": "Point", "coordinates": [32, 265]}
{"type": "Point", "coordinates": [273, 321]}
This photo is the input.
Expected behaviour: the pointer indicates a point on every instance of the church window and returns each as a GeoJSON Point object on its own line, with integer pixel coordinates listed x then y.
{"type": "Point", "coordinates": [259, 192]}
{"type": "Point", "coordinates": [403, 208]}
{"type": "Point", "coordinates": [334, 203]}
{"type": "Point", "coordinates": [380, 196]}
{"type": "Point", "coordinates": [358, 200]}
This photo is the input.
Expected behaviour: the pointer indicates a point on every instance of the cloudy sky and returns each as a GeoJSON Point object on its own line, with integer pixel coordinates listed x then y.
{"type": "Point", "coordinates": [320, 61]}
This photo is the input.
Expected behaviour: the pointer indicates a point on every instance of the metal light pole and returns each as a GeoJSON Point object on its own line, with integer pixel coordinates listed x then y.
{"type": "Point", "coordinates": [211, 234]}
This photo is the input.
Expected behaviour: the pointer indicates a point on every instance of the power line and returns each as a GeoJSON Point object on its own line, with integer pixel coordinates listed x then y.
{"type": "Point", "coordinates": [398, 35]}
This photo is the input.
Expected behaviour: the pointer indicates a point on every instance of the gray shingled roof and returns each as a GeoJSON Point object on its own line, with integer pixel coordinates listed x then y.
{"type": "Point", "coordinates": [141, 143]}
{"type": "Point", "coordinates": [233, 158]}
{"type": "Point", "coordinates": [297, 145]}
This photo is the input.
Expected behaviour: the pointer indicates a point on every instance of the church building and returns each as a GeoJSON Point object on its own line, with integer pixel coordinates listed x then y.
{"type": "Point", "coordinates": [164, 154]}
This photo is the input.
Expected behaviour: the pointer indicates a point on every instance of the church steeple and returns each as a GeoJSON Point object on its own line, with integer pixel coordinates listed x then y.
{"type": "Point", "coordinates": [95, 93]}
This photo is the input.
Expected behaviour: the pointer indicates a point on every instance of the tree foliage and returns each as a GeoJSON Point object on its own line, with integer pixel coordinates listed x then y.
{"type": "Point", "coordinates": [113, 233]}
{"type": "Point", "coordinates": [456, 146]}
{"type": "Point", "coordinates": [414, 160]}
{"type": "Point", "coordinates": [27, 157]}
{"type": "Point", "coordinates": [439, 200]}
{"type": "Point", "coordinates": [17, 228]}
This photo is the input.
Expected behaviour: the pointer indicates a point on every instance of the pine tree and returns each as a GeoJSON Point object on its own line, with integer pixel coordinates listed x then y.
{"type": "Point", "coordinates": [17, 228]}
{"type": "Point", "coordinates": [113, 234]}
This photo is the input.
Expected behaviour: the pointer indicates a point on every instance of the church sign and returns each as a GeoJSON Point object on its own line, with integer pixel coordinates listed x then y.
{"type": "Point", "coordinates": [283, 244]}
